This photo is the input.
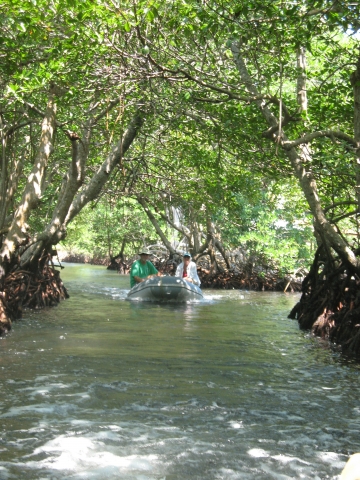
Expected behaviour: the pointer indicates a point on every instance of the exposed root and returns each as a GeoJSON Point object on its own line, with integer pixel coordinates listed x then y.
{"type": "Point", "coordinates": [5, 322]}
{"type": "Point", "coordinates": [26, 289]}
{"type": "Point", "coordinates": [247, 281]}
{"type": "Point", "coordinates": [330, 305]}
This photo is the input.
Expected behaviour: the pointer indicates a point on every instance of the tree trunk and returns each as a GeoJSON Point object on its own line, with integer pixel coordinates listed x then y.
{"type": "Point", "coordinates": [71, 200]}
{"type": "Point", "coordinates": [301, 81]}
{"type": "Point", "coordinates": [307, 182]}
{"type": "Point", "coordinates": [330, 303]}
{"type": "Point", "coordinates": [3, 175]}
{"type": "Point", "coordinates": [20, 252]}
{"type": "Point", "coordinates": [93, 189]}
{"type": "Point", "coordinates": [155, 223]}
{"type": "Point", "coordinates": [355, 82]}
{"type": "Point", "coordinates": [17, 234]}
{"type": "Point", "coordinates": [210, 234]}
{"type": "Point", "coordinates": [114, 265]}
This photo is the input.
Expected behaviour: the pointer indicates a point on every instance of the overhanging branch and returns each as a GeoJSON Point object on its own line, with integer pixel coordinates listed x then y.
{"type": "Point", "coordinates": [332, 134]}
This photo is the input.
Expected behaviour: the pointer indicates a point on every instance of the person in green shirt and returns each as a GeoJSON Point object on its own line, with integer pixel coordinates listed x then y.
{"type": "Point", "coordinates": [142, 269]}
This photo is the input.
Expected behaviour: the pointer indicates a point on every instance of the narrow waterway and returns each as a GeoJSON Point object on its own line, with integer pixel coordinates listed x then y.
{"type": "Point", "coordinates": [229, 388]}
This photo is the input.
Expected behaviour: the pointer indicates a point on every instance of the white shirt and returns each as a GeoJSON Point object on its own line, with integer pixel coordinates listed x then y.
{"type": "Point", "coordinates": [191, 272]}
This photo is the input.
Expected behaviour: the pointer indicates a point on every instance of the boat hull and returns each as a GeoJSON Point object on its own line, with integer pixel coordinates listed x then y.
{"type": "Point", "coordinates": [165, 289]}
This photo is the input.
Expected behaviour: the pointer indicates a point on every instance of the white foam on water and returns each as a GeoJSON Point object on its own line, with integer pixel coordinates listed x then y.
{"type": "Point", "coordinates": [46, 378]}
{"type": "Point", "coordinates": [143, 438]}
{"type": "Point", "coordinates": [166, 428]}
{"type": "Point", "coordinates": [36, 430]}
{"type": "Point", "coordinates": [48, 386]}
{"type": "Point", "coordinates": [45, 386]}
{"type": "Point", "coordinates": [294, 471]}
{"type": "Point", "coordinates": [81, 454]}
{"type": "Point", "coordinates": [285, 459]}
{"type": "Point", "coordinates": [75, 395]}
{"type": "Point", "coordinates": [294, 418]}
{"type": "Point", "coordinates": [115, 428]}
{"type": "Point", "coordinates": [336, 460]}
{"type": "Point", "coordinates": [236, 425]}
{"type": "Point", "coordinates": [108, 435]}
{"type": "Point", "coordinates": [141, 408]}
{"type": "Point", "coordinates": [229, 474]}
{"type": "Point", "coordinates": [258, 453]}
{"type": "Point", "coordinates": [81, 423]}
{"type": "Point", "coordinates": [266, 440]}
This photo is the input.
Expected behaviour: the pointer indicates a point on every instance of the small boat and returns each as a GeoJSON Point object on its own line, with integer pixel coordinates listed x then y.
{"type": "Point", "coordinates": [165, 289]}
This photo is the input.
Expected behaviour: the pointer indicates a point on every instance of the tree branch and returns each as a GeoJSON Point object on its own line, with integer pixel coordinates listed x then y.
{"type": "Point", "coordinates": [13, 128]}
{"type": "Point", "coordinates": [288, 144]}
{"type": "Point", "coordinates": [92, 190]}
{"type": "Point", "coordinates": [155, 223]}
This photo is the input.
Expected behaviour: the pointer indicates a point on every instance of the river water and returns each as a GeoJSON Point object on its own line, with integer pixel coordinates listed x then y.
{"type": "Point", "coordinates": [228, 388]}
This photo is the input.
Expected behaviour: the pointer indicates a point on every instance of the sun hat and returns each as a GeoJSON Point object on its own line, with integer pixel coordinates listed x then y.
{"type": "Point", "coordinates": [144, 252]}
{"type": "Point", "coordinates": [187, 254]}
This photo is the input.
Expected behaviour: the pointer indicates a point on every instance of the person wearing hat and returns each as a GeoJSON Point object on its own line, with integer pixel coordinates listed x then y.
{"type": "Point", "coordinates": [142, 269]}
{"type": "Point", "coordinates": [187, 270]}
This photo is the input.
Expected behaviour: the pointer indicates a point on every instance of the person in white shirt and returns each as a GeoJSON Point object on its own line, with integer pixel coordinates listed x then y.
{"type": "Point", "coordinates": [187, 270]}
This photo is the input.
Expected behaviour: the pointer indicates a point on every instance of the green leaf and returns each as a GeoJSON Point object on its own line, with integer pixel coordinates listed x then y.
{"type": "Point", "coordinates": [13, 88]}
{"type": "Point", "coordinates": [150, 15]}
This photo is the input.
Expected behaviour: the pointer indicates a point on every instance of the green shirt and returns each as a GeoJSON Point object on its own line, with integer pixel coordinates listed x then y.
{"type": "Point", "coordinates": [140, 270]}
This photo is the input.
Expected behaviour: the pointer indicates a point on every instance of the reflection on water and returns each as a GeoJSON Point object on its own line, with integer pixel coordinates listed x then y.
{"type": "Point", "coordinates": [229, 388]}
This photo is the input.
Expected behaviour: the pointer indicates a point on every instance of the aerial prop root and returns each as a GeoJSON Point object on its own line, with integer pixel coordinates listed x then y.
{"type": "Point", "coordinates": [35, 289]}
{"type": "Point", "coordinates": [330, 304]}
